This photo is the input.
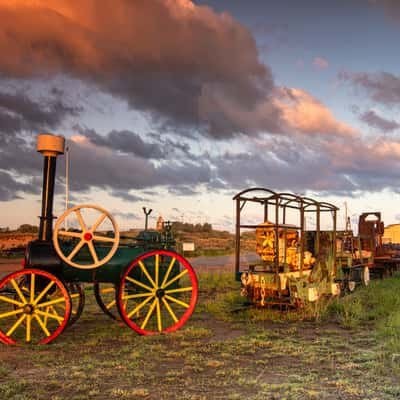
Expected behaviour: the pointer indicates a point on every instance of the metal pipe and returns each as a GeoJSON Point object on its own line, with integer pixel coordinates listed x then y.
{"type": "Point", "coordinates": [50, 146]}
{"type": "Point", "coordinates": [46, 217]}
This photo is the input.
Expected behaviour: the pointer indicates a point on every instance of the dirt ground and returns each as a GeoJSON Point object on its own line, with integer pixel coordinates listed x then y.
{"type": "Point", "coordinates": [221, 353]}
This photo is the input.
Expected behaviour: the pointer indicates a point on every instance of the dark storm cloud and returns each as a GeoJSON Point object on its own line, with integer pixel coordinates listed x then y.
{"type": "Point", "coordinates": [132, 198]}
{"type": "Point", "coordinates": [382, 87]}
{"type": "Point", "coordinates": [10, 188]}
{"type": "Point", "coordinates": [185, 64]}
{"type": "Point", "coordinates": [25, 113]}
{"type": "Point", "coordinates": [21, 118]}
{"type": "Point", "coordinates": [94, 166]}
{"type": "Point", "coordinates": [123, 141]}
{"type": "Point", "coordinates": [376, 121]}
{"type": "Point", "coordinates": [182, 190]}
{"type": "Point", "coordinates": [330, 166]}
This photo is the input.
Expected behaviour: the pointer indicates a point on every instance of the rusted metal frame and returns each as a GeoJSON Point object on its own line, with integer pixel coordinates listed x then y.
{"type": "Point", "coordinates": [317, 239]}
{"type": "Point", "coordinates": [276, 240]}
{"type": "Point", "coordinates": [284, 234]}
{"type": "Point", "coordinates": [301, 239]}
{"type": "Point", "coordinates": [334, 243]}
{"type": "Point", "coordinates": [237, 236]}
{"type": "Point", "coordinates": [265, 211]}
{"type": "Point", "coordinates": [240, 194]}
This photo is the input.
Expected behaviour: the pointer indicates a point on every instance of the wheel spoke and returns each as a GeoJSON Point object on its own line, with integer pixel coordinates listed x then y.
{"type": "Point", "coordinates": [10, 313]}
{"type": "Point", "coordinates": [128, 278]}
{"type": "Point", "coordinates": [110, 304]}
{"type": "Point", "coordinates": [180, 302]}
{"type": "Point", "coordinates": [103, 239]}
{"type": "Point", "coordinates": [75, 250]}
{"type": "Point", "coordinates": [43, 292]}
{"type": "Point", "coordinates": [28, 327]}
{"type": "Point", "coordinates": [175, 278]}
{"type": "Point", "coordinates": [139, 307]}
{"type": "Point", "coordinates": [148, 315]}
{"type": "Point", "coordinates": [93, 252]}
{"type": "Point", "coordinates": [107, 290]}
{"type": "Point", "coordinates": [168, 307]}
{"type": "Point", "coordinates": [99, 222]}
{"type": "Point", "coordinates": [15, 326]}
{"type": "Point", "coordinates": [159, 322]}
{"type": "Point", "coordinates": [185, 289]}
{"type": "Point", "coordinates": [11, 301]}
{"type": "Point", "coordinates": [32, 294]}
{"type": "Point", "coordinates": [47, 314]}
{"type": "Point", "coordinates": [136, 296]}
{"type": "Point", "coordinates": [42, 325]}
{"type": "Point", "coordinates": [70, 234]}
{"type": "Point", "coordinates": [55, 313]}
{"type": "Point", "coordinates": [156, 270]}
{"type": "Point", "coordinates": [171, 264]}
{"type": "Point", "coordinates": [144, 269]}
{"type": "Point", "coordinates": [17, 289]}
{"type": "Point", "coordinates": [51, 302]}
{"type": "Point", "coordinates": [81, 221]}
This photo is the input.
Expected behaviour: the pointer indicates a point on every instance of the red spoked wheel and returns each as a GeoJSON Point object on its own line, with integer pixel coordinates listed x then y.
{"type": "Point", "coordinates": [35, 307]}
{"type": "Point", "coordinates": [157, 292]}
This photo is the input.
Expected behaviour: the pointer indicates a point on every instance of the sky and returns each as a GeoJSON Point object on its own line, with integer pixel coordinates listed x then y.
{"type": "Point", "coordinates": [178, 105]}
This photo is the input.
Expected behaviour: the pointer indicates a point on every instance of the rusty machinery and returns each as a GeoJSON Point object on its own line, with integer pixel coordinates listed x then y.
{"type": "Point", "coordinates": [144, 281]}
{"type": "Point", "coordinates": [297, 264]}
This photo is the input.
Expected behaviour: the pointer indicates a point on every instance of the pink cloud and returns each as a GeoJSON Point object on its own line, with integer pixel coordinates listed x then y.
{"type": "Point", "coordinates": [304, 113]}
{"type": "Point", "coordinates": [320, 63]}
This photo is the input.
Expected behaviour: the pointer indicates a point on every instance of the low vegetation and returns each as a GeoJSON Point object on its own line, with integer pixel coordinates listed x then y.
{"type": "Point", "coordinates": [342, 349]}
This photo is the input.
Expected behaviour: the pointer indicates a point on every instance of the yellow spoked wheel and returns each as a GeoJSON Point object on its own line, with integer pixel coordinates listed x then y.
{"type": "Point", "coordinates": [35, 307]}
{"type": "Point", "coordinates": [104, 294]}
{"type": "Point", "coordinates": [76, 294]}
{"type": "Point", "coordinates": [157, 292]}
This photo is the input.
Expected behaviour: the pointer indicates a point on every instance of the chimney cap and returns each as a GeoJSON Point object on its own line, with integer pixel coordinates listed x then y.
{"type": "Point", "coordinates": [50, 145]}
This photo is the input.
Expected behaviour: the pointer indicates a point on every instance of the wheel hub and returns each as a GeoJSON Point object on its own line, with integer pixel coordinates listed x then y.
{"type": "Point", "coordinates": [28, 309]}
{"type": "Point", "coordinates": [88, 236]}
{"type": "Point", "coordinates": [160, 293]}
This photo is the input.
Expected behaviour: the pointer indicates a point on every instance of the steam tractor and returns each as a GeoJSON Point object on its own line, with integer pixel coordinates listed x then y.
{"type": "Point", "coordinates": [152, 288]}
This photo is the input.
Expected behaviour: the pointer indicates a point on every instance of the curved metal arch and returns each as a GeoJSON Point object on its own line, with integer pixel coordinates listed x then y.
{"type": "Point", "coordinates": [240, 194]}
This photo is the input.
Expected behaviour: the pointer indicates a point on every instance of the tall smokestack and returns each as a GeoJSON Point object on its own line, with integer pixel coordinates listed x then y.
{"type": "Point", "coordinates": [50, 146]}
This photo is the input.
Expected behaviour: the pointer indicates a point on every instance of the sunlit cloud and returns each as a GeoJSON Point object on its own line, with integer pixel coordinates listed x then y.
{"type": "Point", "coordinates": [320, 63]}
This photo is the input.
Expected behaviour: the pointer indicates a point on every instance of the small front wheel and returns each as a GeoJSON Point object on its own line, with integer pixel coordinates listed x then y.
{"type": "Point", "coordinates": [157, 292]}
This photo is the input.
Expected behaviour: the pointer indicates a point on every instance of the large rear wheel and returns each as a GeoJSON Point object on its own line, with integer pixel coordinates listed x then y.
{"type": "Point", "coordinates": [157, 292]}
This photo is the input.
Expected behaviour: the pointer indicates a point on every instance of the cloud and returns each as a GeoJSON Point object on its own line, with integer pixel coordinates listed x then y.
{"type": "Point", "coordinates": [123, 141]}
{"type": "Point", "coordinates": [382, 87]}
{"type": "Point", "coordinates": [391, 8]}
{"type": "Point", "coordinates": [303, 113]}
{"type": "Point", "coordinates": [320, 63]}
{"type": "Point", "coordinates": [97, 166]}
{"type": "Point", "coordinates": [10, 187]}
{"type": "Point", "coordinates": [200, 69]}
{"type": "Point", "coordinates": [376, 121]}
{"type": "Point", "coordinates": [324, 164]}
{"type": "Point", "coordinates": [20, 118]}
{"type": "Point", "coordinates": [18, 113]}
